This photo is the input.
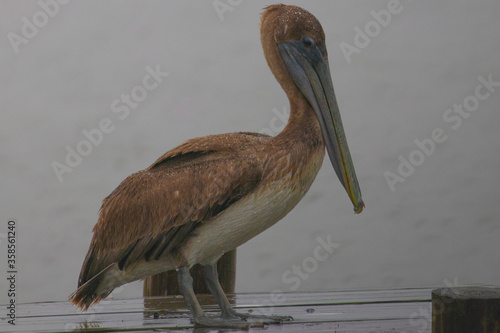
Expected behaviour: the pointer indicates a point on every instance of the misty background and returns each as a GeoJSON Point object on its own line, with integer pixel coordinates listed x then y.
{"type": "Point", "coordinates": [438, 226]}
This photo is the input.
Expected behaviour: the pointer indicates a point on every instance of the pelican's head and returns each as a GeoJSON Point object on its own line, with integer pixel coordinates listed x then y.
{"type": "Point", "coordinates": [294, 46]}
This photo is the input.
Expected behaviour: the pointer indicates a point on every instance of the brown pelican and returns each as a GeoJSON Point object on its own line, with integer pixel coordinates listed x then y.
{"type": "Point", "coordinates": [214, 193]}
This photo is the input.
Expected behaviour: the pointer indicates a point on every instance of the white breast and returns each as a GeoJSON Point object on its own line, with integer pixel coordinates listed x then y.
{"type": "Point", "coordinates": [251, 215]}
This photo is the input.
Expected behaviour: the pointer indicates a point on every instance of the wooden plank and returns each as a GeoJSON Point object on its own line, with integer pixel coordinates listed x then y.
{"type": "Point", "coordinates": [326, 316]}
{"type": "Point", "coordinates": [241, 300]}
{"type": "Point", "coordinates": [369, 311]}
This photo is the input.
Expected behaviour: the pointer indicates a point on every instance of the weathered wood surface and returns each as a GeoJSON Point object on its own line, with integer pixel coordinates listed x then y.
{"type": "Point", "coordinates": [466, 309]}
{"type": "Point", "coordinates": [166, 283]}
{"type": "Point", "coordinates": [405, 310]}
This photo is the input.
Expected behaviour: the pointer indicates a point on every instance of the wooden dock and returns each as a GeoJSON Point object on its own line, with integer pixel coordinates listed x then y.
{"type": "Point", "coordinates": [402, 310]}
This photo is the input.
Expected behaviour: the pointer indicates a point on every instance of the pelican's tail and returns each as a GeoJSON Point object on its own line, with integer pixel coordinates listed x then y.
{"type": "Point", "coordinates": [94, 290]}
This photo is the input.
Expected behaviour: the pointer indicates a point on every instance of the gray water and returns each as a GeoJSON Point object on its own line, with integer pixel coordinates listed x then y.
{"type": "Point", "coordinates": [439, 226]}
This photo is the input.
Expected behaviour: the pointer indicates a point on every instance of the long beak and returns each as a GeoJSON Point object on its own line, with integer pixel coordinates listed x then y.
{"type": "Point", "coordinates": [311, 73]}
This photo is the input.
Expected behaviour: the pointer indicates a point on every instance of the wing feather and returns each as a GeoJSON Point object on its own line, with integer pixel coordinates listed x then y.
{"type": "Point", "coordinates": [153, 211]}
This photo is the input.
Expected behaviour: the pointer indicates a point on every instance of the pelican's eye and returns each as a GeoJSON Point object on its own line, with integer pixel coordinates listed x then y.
{"type": "Point", "coordinates": [308, 41]}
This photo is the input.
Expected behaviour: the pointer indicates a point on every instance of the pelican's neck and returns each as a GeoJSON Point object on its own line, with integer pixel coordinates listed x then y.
{"type": "Point", "coordinates": [302, 123]}
{"type": "Point", "coordinates": [300, 146]}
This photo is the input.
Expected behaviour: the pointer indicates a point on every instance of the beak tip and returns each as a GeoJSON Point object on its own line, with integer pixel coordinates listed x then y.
{"type": "Point", "coordinates": [358, 209]}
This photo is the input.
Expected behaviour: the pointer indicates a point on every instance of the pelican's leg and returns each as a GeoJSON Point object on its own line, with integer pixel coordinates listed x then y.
{"type": "Point", "coordinates": [212, 280]}
{"type": "Point", "coordinates": [186, 288]}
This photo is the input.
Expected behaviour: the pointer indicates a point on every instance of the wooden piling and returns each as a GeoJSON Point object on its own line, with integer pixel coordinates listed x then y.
{"type": "Point", "coordinates": [166, 283]}
{"type": "Point", "coordinates": [466, 309]}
